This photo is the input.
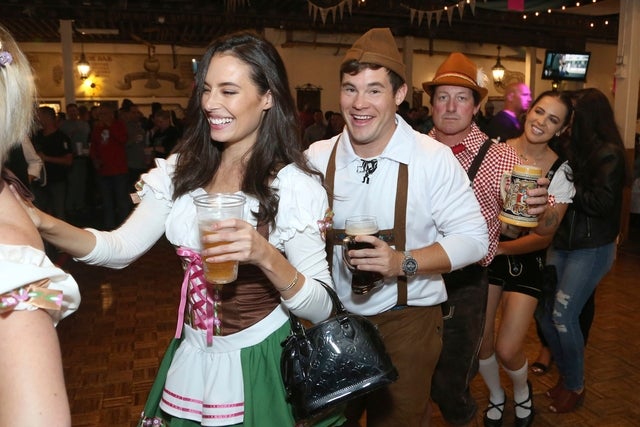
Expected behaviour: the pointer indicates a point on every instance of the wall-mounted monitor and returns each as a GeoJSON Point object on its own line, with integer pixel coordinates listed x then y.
{"type": "Point", "coordinates": [562, 65]}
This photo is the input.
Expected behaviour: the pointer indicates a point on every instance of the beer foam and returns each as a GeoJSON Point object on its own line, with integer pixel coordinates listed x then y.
{"type": "Point", "coordinates": [364, 228]}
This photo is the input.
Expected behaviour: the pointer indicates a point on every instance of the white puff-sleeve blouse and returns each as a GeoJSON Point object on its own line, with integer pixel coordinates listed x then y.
{"type": "Point", "coordinates": [297, 233]}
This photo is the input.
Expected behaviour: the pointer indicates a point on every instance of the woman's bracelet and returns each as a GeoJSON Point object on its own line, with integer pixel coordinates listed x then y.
{"type": "Point", "coordinates": [291, 284]}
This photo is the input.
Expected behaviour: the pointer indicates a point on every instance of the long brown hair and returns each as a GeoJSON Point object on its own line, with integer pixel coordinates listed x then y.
{"type": "Point", "coordinates": [595, 129]}
{"type": "Point", "coordinates": [278, 141]}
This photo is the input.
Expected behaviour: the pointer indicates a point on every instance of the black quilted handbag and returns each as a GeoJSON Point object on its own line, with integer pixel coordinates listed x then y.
{"type": "Point", "coordinates": [332, 362]}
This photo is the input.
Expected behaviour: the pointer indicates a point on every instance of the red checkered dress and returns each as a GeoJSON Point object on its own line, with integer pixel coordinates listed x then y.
{"type": "Point", "coordinates": [499, 159]}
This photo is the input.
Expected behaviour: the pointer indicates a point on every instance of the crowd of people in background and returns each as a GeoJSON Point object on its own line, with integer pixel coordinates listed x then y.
{"type": "Point", "coordinates": [82, 163]}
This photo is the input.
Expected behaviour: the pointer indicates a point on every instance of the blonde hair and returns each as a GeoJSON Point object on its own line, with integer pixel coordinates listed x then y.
{"type": "Point", "coordinates": [17, 96]}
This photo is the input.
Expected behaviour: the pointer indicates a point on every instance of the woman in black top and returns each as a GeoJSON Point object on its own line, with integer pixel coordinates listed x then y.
{"type": "Point", "coordinates": [584, 246]}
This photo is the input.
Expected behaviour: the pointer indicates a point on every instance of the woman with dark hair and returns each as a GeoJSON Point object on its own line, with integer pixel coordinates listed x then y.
{"type": "Point", "coordinates": [223, 368]}
{"type": "Point", "coordinates": [516, 275]}
{"type": "Point", "coordinates": [584, 247]}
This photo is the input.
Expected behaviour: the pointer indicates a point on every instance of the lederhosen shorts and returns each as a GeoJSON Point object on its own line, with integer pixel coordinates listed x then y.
{"type": "Point", "coordinates": [524, 273]}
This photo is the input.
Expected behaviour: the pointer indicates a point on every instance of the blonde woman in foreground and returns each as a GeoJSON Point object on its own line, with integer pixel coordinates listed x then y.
{"type": "Point", "coordinates": [34, 293]}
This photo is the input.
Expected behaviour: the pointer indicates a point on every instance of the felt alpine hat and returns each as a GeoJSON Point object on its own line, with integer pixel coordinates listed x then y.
{"type": "Point", "coordinates": [377, 46]}
{"type": "Point", "coordinates": [458, 70]}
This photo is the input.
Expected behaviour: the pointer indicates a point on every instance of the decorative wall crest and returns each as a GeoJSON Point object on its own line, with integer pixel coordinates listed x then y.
{"type": "Point", "coordinates": [153, 74]}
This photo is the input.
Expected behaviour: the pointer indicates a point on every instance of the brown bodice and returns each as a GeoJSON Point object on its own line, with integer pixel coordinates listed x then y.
{"type": "Point", "coordinates": [224, 309]}
{"type": "Point", "coordinates": [247, 300]}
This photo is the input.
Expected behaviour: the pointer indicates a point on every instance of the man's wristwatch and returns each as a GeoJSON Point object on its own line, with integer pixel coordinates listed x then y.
{"type": "Point", "coordinates": [409, 265]}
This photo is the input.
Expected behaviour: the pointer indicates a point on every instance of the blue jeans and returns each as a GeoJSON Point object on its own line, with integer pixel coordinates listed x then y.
{"type": "Point", "coordinates": [579, 272]}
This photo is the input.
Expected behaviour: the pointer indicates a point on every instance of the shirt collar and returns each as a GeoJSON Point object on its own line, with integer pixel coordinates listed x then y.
{"type": "Point", "coordinates": [398, 149]}
{"type": "Point", "coordinates": [472, 142]}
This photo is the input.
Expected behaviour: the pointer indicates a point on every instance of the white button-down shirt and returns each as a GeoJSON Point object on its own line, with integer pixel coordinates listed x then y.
{"type": "Point", "coordinates": [441, 207]}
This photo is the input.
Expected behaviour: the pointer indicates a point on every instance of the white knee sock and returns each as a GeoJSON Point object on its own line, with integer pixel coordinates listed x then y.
{"type": "Point", "coordinates": [520, 389]}
{"type": "Point", "coordinates": [490, 372]}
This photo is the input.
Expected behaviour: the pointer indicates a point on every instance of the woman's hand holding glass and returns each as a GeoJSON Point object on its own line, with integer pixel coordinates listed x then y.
{"type": "Point", "coordinates": [233, 241]}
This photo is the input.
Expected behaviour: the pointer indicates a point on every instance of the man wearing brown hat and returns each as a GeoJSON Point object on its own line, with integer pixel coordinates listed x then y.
{"type": "Point", "coordinates": [456, 92]}
{"type": "Point", "coordinates": [428, 218]}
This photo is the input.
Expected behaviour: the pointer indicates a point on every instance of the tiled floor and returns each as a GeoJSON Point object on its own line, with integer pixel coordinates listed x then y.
{"type": "Point", "coordinates": [113, 344]}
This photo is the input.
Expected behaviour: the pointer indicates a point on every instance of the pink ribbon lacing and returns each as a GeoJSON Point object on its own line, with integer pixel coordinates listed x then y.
{"type": "Point", "coordinates": [36, 294]}
{"type": "Point", "coordinates": [204, 297]}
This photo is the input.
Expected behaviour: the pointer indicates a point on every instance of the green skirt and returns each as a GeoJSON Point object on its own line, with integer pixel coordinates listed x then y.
{"type": "Point", "coordinates": [264, 394]}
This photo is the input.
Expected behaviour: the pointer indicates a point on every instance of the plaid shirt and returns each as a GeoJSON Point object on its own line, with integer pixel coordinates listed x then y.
{"type": "Point", "coordinates": [499, 159]}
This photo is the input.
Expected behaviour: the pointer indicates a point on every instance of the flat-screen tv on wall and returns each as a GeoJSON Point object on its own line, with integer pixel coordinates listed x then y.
{"type": "Point", "coordinates": [560, 65]}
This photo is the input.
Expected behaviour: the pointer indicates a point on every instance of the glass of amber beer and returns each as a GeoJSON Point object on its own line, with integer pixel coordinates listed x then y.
{"type": "Point", "coordinates": [211, 208]}
{"type": "Point", "coordinates": [362, 282]}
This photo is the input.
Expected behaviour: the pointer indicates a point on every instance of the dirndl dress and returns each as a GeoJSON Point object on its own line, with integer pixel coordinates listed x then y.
{"type": "Point", "coordinates": [223, 366]}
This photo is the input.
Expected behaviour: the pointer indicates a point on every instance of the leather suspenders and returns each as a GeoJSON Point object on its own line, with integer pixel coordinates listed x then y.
{"type": "Point", "coordinates": [477, 160]}
{"type": "Point", "coordinates": [395, 236]}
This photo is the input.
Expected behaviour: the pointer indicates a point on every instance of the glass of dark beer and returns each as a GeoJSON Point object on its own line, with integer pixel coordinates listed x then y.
{"type": "Point", "coordinates": [362, 282]}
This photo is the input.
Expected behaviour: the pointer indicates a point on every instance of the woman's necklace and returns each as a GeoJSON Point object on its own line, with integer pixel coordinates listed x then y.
{"type": "Point", "coordinates": [531, 159]}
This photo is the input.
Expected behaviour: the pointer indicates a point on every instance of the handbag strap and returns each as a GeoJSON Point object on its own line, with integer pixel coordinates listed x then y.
{"type": "Point", "coordinates": [337, 304]}
{"type": "Point", "coordinates": [396, 236]}
{"type": "Point", "coordinates": [296, 326]}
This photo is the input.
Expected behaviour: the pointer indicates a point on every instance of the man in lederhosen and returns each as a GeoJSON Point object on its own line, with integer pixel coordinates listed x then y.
{"type": "Point", "coordinates": [456, 92]}
{"type": "Point", "coordinates": [429, 221]}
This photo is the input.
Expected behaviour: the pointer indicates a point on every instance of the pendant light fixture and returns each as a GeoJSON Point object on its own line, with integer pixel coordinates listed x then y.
{"type": "Point", "coordinates": [83, 65]}
{"type": "Point", "coordinates": [497, 71]}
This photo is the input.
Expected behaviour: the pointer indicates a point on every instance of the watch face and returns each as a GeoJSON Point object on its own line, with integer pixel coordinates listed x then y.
{"type": "Point", "coordinates": [410, 266]}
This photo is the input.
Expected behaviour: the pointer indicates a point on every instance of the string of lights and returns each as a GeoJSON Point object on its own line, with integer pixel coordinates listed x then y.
{"type": "Point", "coordinates": [565, 8]}
{"type": "Point", "coordinates": [527, 14]}
{"type": "Point", "coordinates": [417, 14]}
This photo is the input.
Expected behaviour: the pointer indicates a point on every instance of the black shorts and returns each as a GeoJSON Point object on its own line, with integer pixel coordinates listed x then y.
{"type": "Point", "coordinates": [520, 273]}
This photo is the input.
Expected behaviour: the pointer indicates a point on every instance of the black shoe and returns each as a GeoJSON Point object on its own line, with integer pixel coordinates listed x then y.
{"type": "Point", "coordinates": [489, 422]}
{"type": "Point", "coordinates": [527, 404]}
